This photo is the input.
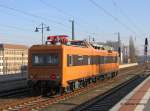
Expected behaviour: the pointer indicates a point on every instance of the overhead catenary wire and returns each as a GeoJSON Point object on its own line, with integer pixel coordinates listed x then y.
{"type": "Point", "coordinates": [32, 15]}
{"type": "Point", "coordinates": [58, 9]}
{"type": "Point", "coordinates": [65, 28]}
{"type": "Point", "coordinates": [70, 16]}
{"type": "Point", "coordinates": [12, 14]}
{"type": "Point", "coordinates": [3, 26]}
{"type": "Point", "coordinates": [112, 16]}
{"type": "Point", "coordinates": [19, 27]}
{"type": "Point", "coordinates": [78, 21]}
{"type": "Point", "coordinates": [126, 16]}
{"type": "Point", "coordinates": [15, 27]}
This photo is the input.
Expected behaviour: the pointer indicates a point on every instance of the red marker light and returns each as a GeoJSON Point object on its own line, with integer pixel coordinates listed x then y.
{"type": "Point", "coordinates": [53, 76]}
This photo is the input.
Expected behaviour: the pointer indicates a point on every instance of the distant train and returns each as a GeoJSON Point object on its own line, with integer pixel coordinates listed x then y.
{"type": "Point", "coordinates": [61, 65]}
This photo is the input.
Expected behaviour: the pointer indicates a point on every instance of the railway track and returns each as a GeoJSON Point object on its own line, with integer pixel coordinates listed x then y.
{"type": "Point", "coordinates": [38, 103]}
{"type": "Point", "coordinates": [107, 100]}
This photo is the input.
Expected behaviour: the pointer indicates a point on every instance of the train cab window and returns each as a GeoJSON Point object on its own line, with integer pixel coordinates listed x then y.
{"type": "Point", "coordinates": [45, 59]}
{"type": "Point", "coordinates": [38, 59]}
{"type": "Point", "coordinates": [52, 59]}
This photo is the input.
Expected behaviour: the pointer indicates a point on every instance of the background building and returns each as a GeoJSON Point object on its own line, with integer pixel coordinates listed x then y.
{"type": "Point", "coordinates": [13, 58]}
{"type": "Point", "coordinates": [124, 50]}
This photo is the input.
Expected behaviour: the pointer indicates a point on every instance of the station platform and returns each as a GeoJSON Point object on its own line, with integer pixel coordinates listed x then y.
{"type": "Point", "coordinates": [137, 100]}
{"type": "Point", "coordinates": [127, 65]}
{"type": "Point", "coordinates": [12, 77]}
{"type": "Point", "coordinates": [12, 81]}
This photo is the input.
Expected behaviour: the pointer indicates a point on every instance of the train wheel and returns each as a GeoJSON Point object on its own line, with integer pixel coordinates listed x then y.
{"type": "Point", "coordinates": [68, 89]}
{"type": "Point", "coordinates": [113, 74]}
{"type": "Point", "coordinates": [85, 83]}
{"type": "Point", "coordinates": [53, 91]}
{"type": "Point", "coordinates": [102, 77]}
{"type": "Point", "coordinates": [116, 73]}
{"type": "Point", "coordinates": [61, 90]}
{"type": "Point", "coordinates": [94, 79]}
{"type": "Point", "coordinates": [91, 80]}
{"type": "Point", "coordinates": [35, 91]}
{"type": "Point", "coordinates": [80, 84]}
{"type": "Point", "coordinates": [109, 75]}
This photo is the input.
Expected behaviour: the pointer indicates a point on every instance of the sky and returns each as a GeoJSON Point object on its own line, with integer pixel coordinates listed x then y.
{"type": "Point", "coordinates": [101, 19]}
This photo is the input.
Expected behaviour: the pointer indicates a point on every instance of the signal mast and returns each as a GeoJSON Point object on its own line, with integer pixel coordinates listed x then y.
{"type": "Point", "coordinates": [145, 52]}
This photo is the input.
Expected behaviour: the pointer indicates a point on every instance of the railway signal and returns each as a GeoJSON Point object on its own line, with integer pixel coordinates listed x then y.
{"type": "Point", "coordinates": [146, 47]}
{"type": "Point", "coordinates": [146, 42]}
{"type": "Point", "coordinates": [119, 47]}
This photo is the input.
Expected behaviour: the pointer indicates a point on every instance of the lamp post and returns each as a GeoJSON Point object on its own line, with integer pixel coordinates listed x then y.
{"type": "Point", "coordinates": [119, 47]}
{"type": "Point", "coordinates": [22, 63]}
{"type": "Point", "coordinates": [43, 26]}
{"type": "Point", "coordinates": [6, 63]}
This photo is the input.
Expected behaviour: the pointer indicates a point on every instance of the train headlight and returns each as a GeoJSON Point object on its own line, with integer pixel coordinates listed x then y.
{"type": "Point", "coordinates": [57, 76]}
{"type": "Point", "coordinates": [31, 76]}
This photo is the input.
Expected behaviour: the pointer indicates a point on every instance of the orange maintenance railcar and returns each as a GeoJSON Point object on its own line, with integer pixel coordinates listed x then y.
{"type": "Point", "coordinates": [63, 67]}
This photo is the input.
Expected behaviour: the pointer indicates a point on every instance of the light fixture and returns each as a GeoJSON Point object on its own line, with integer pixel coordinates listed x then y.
{"type": "Point", "coordinates": [43, 26]}
{"type": "Point", "coordinates": [36, 30]}
{"type": "Point", "coordinates": [48, 29]}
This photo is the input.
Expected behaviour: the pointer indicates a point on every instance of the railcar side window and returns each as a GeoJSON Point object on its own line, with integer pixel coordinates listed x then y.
{"type": "Point", "coordinates": [76, 60]}
{"type": "Point", "coordinates": [89, 60]}
{"type": "Point", "coordinates": [117, 59]}
{"type": "Point", "coordinates": [105, 59]}
{"type": "Point", "coordinates": [101, 59]}
{"type": "Point", "coordinates": [70, 60]}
